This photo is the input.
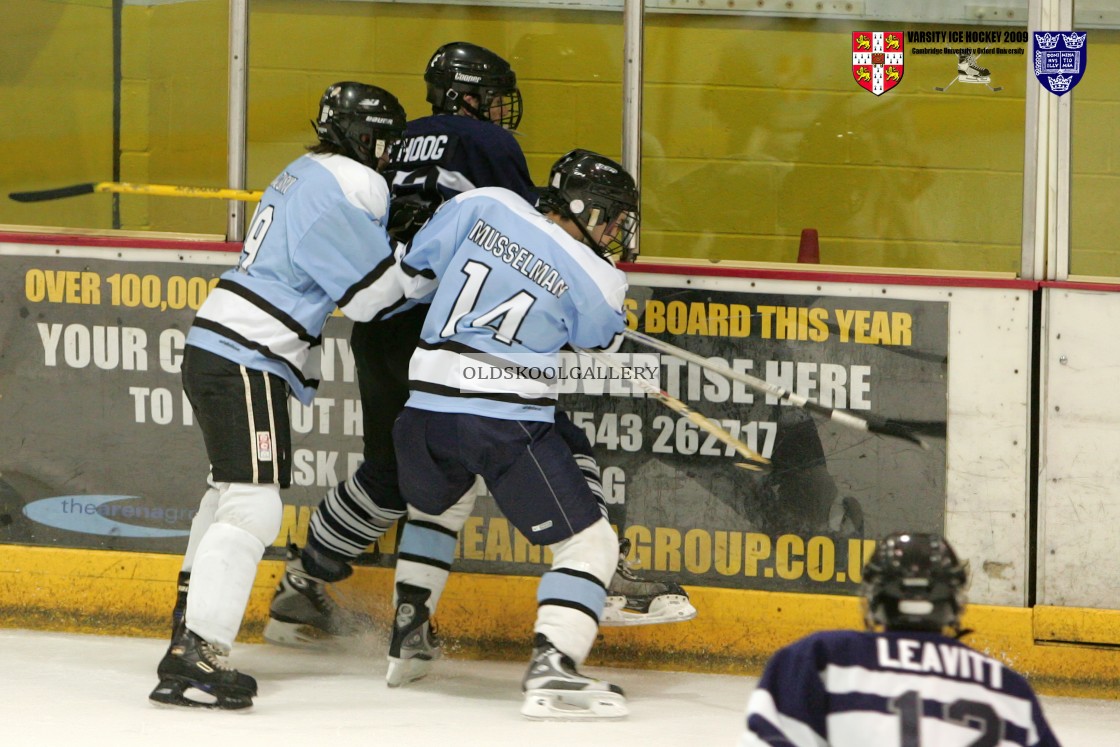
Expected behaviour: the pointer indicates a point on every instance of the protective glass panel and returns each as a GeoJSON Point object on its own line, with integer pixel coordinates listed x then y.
{"type": "Point", "coordinates": [890, 139]}
{"type": "Point", "coordinates": [1095, 153]}
{"type": "Point", "coordinates": [568, 65]}
{"type": "Point", "coordinates": [101, 92]}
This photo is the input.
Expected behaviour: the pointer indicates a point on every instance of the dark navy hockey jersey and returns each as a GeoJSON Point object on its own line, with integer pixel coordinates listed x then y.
{"type": "Point", "coordinates": [449, 154]}
{"type": "Point", "coordinates": [891, 689]}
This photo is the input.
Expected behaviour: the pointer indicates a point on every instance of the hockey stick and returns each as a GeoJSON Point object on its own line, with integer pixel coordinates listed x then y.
{"type": "Point", "coordinates": [870, 423]}
{"type": "Point", "coordinates": [74, 190]}
{"type": "Point", "coordinates": [755, 461]}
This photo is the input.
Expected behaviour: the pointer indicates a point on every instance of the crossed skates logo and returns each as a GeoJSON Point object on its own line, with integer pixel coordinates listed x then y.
{"type": "Point", "coordinates": [969, 71]}
{"type": "Point", "coordinates": [877, 60]}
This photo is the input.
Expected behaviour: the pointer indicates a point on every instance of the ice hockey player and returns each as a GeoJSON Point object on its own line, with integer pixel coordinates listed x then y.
{"type": "Point", "coordinates": [908, 680]}
{"type": "Point", "coordinates": [467, 142]}
{"type": "Point", "coordinates": [316, 242]}
{"type": "Point", "coordinates": [513, 286]}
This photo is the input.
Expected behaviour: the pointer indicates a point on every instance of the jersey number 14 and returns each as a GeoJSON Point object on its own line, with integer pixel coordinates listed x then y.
{"type": "Point", "coordinates": [505, 319]}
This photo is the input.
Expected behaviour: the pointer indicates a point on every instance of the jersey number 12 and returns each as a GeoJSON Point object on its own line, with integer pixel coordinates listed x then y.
{"type": "Point", "coordinates": [967, 713]}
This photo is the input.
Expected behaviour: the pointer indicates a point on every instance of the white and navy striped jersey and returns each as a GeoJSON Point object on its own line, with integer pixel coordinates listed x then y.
{"type": "Point", "coordinates": [891, 689]}
{"type": "Point", "coordinates": [317, 241]}
{"type": "Point", "coordinates": [513, 289]}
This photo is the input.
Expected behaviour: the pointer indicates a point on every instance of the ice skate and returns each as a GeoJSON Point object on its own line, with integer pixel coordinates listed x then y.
{"type": "Point", "coordinates": [414, 644]}
{"type": "Point", "coordinates": [555, 691]}
{"type": "Point", "coordinates": [968, 71]}
{"type": "Point", "coordinates": [303, 615]}
{"type": "Point", "coordinates": [632, 600]}
{"type": "Point", "coordinates": [193, 674]}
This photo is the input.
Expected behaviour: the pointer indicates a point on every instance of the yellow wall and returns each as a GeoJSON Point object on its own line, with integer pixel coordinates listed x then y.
{"type": "Point", "coordinates": [1095, 192]}
{"type": "Point", "coordinates": [767, 133]}
{"type": "Point", "coordinates": [56, 70]}
{"type": "Point", "coordinates": [753, 127]}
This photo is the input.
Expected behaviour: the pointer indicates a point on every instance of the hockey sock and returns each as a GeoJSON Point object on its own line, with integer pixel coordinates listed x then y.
{"type": "Point", "coordinates": [201, 522]}
{"type": "Point", "coordinates": [350, 518]}
{"type": "Point", "coordinates": [424, 558]}
{"type": "Point", "coordinates": [221, 580]}
{"type": "Point", "coordinates": [572, 594]}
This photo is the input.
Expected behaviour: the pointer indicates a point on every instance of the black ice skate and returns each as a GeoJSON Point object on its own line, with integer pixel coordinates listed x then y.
{"type": "Point", "coordinates": [414, 644]}
{"type": "Point", "coordinates": [632, 600]}
{"type": "Point", "coordinates": [968, 71]}
{"type": "Point", "coordinates": [556, 691]}
{"type": "Point", "coordinates": [303, 615]}
{"type": "Point", "coordinates": [194, 674]}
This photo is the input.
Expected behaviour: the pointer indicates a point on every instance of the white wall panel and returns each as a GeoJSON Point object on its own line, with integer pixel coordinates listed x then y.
{"type": "Point", "coordinates": [1079, 480]}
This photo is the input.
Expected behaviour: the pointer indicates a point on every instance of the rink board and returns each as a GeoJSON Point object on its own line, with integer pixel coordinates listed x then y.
{"type": "Point", "coordinates": [947, 356]}
{"type": "Point", "coordinates": [491, 616]}
{"type": "Point", "coordinates": [84, 550]}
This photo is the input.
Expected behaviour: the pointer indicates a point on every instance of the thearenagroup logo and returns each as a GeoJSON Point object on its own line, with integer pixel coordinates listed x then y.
{"type": "Point", "coordinates": [1059, 59]}
{"type": "Point", "coordinates": [98, 515]}
{"type": "Point", "coordinates": [877, 59]}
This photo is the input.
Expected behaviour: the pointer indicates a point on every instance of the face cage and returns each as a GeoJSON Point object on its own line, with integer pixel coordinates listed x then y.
{"type": "Point", "coordinates": [623, 241]}
{"type": "Point", "coordinates": [507, 103]}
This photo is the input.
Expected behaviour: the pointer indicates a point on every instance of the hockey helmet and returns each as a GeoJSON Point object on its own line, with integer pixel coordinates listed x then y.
{"type": "Point", "coordinates": [914, 581]}
{"type": "Point", "coordinates": [461, 68]}
{"type": "Point", "coordinates": [593, 191]}
{"type": "Point", "coordinates": [363, 121]}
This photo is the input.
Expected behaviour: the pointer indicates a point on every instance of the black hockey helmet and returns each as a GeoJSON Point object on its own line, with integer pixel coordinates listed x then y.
{"type": "Point", "coordinates": [363, 121]}
{"type": "Point", "coordinates": [593, 190]}
{"type": "Point", "coordinates": [462, 68]}
{"type": "Point", "coordinates": [914, 582]}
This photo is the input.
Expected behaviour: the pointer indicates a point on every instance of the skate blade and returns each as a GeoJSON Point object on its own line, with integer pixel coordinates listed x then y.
{"type": "Point", "coordinates": [562, 705]}
{"type": "Point", "coordinates": [297, 635]}
{"type": "Point", "coordinates": [403, 671]}
{"type": "Point", "coordinates": [668, 608]}
{"type": "Point", "coordinates": [180, 694]}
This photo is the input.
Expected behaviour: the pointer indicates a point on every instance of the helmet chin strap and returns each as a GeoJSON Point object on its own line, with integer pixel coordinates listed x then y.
{"type": "Point", "coordinates": [460, 99]}
{"type": "Point", "coordinates": [352, 152]}
{"type": "Point", "coordinates": [588, 238]}
{"type": "Point", "coordinates": [473, 111]}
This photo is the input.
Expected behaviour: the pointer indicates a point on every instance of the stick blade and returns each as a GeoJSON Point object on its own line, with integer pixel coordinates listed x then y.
{"type": "Point", "coordinates": [54, 194]}
{"type": "Point", "coordinates": [896, 430]}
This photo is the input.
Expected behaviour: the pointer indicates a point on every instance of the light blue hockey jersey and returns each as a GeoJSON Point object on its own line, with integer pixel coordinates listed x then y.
{"type": "Point", "coordinates": [511, 288]}
{"type": "Point", "coordinates": [317, 240]}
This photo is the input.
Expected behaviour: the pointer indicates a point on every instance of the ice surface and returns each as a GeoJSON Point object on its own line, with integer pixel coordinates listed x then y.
{"type": "Point", "coordinates": [89, 691]}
